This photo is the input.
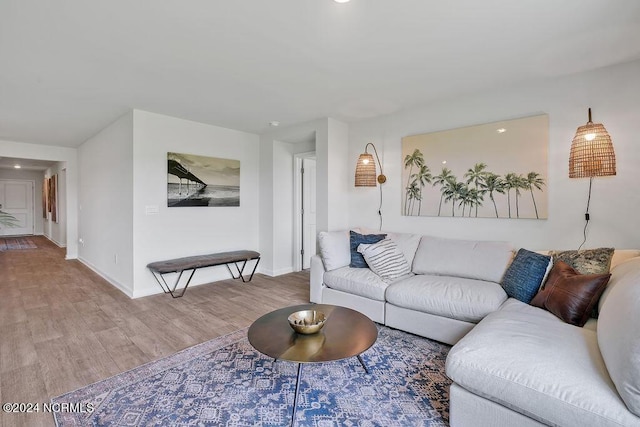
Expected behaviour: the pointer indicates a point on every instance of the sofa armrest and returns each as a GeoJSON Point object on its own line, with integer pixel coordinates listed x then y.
{"type": "Point", "coordinates": [316, 280]}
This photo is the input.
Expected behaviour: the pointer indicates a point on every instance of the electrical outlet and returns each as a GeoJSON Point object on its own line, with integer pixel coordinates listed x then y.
{"type": "Point", "coordinates": [81, 241]}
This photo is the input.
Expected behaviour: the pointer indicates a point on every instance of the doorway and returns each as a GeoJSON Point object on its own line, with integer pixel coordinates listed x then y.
{"type": "Point", "coordinates": [16, 199]}
{"type": "Point", "coordinates": [305, 210]}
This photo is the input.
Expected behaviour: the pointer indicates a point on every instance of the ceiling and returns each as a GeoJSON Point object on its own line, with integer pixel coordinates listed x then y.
{"type": "Point", "coordinates": [25, 164]}
{"type": "Point", "coordinates": [71, 67]}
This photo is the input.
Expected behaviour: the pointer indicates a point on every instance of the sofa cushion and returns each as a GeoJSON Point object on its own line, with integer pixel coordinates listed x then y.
{"type": "Point", "coordinates": [357, 239]}
{"type": "Point", "coordinates": [619, 332]}
{"type": "Point", "coordinates": [528, 360]}
{"type": "Point", "coordinates": [334, 249]}
{"type": "Point", "coordinates": [454, 297]}
{"type": "Point", "coordinates": [570, 295]}
{"type": "Point", "coordinates": [586, 261]}
{"type": "Point", "coordinates": [407, 243]}
{"type": "Point", "coordinates": [615, 277]}
{"type": "Point", "coordinates": [622, 255]}
{"type": "Point", "coordinates": [462, 258]}
{"type": "Point", "coordinates": [524, 276]}
{"type": "Point", "coordinates": [385, 259]}
{"type": "Point", "coordinates": [357, 281]}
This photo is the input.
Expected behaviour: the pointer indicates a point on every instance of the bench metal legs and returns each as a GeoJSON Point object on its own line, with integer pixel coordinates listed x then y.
{"type": "Point", "coordinates": [165, 287]}
{"type": "Point", "coordinates": [241, 270]}
{"type": "Point", "coordinates": [173, 290]}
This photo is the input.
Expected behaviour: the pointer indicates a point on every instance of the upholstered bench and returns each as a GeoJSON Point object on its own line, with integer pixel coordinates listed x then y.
{"type": "Point", "coordinates": [180, 265]}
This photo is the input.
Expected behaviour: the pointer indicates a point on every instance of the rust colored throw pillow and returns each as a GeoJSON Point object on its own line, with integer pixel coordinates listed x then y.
{"type": "Point", "coordinates": [570, 295]}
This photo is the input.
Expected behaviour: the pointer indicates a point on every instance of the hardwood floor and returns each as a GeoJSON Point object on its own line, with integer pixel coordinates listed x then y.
{"type": "Point", "coordinates": [63, 327]}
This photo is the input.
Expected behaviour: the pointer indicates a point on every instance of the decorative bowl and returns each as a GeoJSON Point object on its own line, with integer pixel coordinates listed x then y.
{"type": "Point", "coordinates": [307, 321]}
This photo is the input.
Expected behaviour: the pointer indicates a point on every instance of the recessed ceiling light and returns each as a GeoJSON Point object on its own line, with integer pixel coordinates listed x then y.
{"type": "Point", "coordinates": [444, 162]}
{"type": "Point", "coordinates": [17, 166]}
{"type": "Point", "coordinates": [274, 123]}
{"type": "Point", "coordinates": [341, 1]}
{"type": "Point", "coordinates": [501, 130]}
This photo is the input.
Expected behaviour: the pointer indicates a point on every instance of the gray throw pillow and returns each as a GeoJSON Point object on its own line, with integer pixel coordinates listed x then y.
{"type": "Point", "coordinates": [586, 261]}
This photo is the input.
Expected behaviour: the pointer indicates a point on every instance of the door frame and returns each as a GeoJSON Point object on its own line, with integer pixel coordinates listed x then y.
{"type": "Point", "coordinates": [298, 201]}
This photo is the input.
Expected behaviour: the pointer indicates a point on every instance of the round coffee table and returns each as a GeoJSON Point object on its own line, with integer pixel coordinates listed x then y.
{"type": "Point", "coordinates": [346, 333]}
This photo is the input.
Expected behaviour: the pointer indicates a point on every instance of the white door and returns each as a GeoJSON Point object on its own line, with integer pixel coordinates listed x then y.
{"type": "Point", "coordinates": [16, 198]}
{"type": "Point", "coordinates": [308, 211]}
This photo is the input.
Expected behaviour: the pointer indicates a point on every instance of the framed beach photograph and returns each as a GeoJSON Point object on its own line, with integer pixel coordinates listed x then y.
{"type": "Point", "coordinates": [202, 181]}
{"type": "Point", "coordinates": [493, 170]}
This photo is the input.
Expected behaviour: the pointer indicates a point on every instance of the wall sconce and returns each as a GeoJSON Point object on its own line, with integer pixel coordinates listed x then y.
{"type": "Point", "coordinates": [366, 174]}
{"type": "Point", "coordinates": [591, 155]}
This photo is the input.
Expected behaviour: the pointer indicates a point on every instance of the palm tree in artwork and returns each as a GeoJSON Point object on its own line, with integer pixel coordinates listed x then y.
{"type": "Point", "coordinates": [448, 191]}
{"type": "Point", "coordinates": [422, 178]}
{"type": "Point", "coordinates": [491, 183]}
{"type": "Point", "coordinates": [413, 193]}
{"type": "Point", "coordinates": [441, 180]}
{"type": "Point", "coordinates": [534, 180]}
{"type": "Point", "coordinates": [520, 184]}
{"type": "Point", "coordinates": [454, 191]}
{"type": "Point", "coordinates": [410, 160]}
{"type": "Point", "coordinates": [464, 198]}
{"type": "Point", "coordinates": [510, 182]}
{"type": "Point", "coordinates": [475, 199]}
{"type": "Point", "coordinates": [475, 175]}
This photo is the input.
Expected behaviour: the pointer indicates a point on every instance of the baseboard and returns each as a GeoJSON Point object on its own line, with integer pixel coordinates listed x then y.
{"type": "Point", "coordinates": [106, 277]}
{"type": "Point", "coordinates": [58, 244]}
{"type": "Point", "coordinates": [274, 273]}
{"type": "Point", "coordinates": [148, 292]}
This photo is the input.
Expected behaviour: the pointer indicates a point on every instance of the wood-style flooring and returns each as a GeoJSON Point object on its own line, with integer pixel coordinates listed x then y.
{"type": "Point", "coordinates": [63, 327]}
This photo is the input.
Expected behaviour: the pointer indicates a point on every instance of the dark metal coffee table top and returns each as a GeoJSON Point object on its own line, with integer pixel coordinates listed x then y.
{"type": "Point", "coordinates": [346, 333]}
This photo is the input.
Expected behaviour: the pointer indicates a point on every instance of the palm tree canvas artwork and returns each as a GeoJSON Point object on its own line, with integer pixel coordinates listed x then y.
{"type": "Point", "coordinates": [494, 170]}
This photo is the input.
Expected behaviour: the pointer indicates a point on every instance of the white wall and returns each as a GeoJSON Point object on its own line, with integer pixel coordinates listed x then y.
{"type": "Point", "coordinates": [58, 154]}
{"type": "Point", "coordinates": [332, 185]}
{"type": "Point", "coordinates": [56, 231]}
{"type": "Point", "coordinates": [613, 94]}
{"type": "Point", "coordinates": [106, 203]}
{"type": "Point", "coordinates": [37, 177]}
{"type": "Point", "coordinates": [283, 203]}
{"type": "Point", "coordinates": [183, 231]}
{"type": "Point", "coordinates": [332, 148]}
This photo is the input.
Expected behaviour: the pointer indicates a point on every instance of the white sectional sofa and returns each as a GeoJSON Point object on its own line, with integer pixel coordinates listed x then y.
{"type": "Point", "coordinates": [511, 364]}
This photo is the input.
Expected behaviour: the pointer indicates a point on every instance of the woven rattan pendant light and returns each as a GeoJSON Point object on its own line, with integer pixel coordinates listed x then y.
{"type": "Point", "coordinates": [591, 155]}
{"type": "Point", "coordinates": [366, 175]}
{"type": "Point", "coordinates": [591, 152]}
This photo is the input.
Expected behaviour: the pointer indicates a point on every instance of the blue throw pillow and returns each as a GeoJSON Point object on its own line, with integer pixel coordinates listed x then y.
{"type": "Point", "coordinates": [524, 276]}
{"type": "Point", "coordinates": [355, 240]}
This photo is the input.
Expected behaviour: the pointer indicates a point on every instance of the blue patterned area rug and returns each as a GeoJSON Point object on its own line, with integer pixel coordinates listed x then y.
{"type": "Point", "coordinates": [226, 382]}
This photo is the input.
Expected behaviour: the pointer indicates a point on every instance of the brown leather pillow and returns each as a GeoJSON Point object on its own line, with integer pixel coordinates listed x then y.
{"type": "Point", "coordinates": [570, 295]}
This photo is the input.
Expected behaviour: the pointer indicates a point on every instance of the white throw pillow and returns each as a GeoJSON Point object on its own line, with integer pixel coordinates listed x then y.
{"type": "Point", "coordinates": [407, 242]}
{"type": "Point", "coordinates": [334, 249]}
{"type": "Point", "coordinates": [385, 259]}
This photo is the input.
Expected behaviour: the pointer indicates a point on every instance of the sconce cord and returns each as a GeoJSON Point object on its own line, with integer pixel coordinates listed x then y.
{"type": "Point", "coordinates": [586, 216]}
{"type": "Point", "coordinates": [380, 207]}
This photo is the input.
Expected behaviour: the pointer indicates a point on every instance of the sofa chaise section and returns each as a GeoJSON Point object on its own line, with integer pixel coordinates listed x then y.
{"type": "Point", "coordinates": [523, 363]}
